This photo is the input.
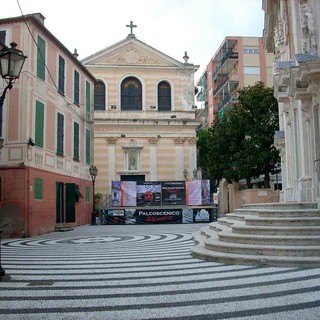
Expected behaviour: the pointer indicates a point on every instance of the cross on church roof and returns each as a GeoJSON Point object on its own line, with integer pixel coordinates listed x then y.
{"type": "Point", "coordinates": [131, 26]}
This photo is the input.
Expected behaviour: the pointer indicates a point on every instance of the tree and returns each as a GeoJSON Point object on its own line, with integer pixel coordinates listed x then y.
{"type": "Point", "coordinates": [240, 144]}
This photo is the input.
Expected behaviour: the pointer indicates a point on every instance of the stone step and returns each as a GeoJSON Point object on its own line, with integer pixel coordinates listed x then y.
{"type": "Point", "coordinates": [276, 240]}
{"type": "Point", "coordinates": [276, 230]}
{"type": "Point", "coordinates": [201, 252]}
{"type": "Point", "coordinates": [265, 212]}
{"type": "Point", "coordinates": [281, 205]}
{"type": "Point", "coordinates": [63, 228]}
{"type": "Point", "coordinates": [282, 221]}
{"type": "Point", "coordinates": [271, 250]}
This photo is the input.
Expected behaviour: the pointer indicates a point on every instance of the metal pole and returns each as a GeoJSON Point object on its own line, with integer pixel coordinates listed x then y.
{"type": "Point", "coordinates": [2, 271]}
{"type": "Point", "coordinates": [8, 87]}
{"type": "Point", "coordinates": [93, 214]}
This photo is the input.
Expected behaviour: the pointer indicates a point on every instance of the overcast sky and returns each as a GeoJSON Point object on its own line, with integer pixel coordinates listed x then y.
{"type": "Point", "coordinates": [170, 26]}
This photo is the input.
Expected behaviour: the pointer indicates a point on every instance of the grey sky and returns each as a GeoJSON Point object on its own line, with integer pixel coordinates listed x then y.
{"type": "Point", "coordinates": [170, 26]}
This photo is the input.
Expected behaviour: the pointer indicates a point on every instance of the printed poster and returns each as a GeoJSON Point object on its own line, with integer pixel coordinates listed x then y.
{"type": "Point", "coordinates": [129, 193]}
{"type": "Point", "coordinates": [173, 193]}
{"type": "Point", "coordinates": [148, 193]}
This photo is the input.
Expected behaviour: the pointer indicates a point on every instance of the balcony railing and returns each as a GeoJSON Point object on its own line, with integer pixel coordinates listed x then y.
{"type": "Point", "coordinates": [228, 55]}
{"type": "Point", "coordinates": [234, 79]}
{"type": "Point", "coordinates": [225, 100]}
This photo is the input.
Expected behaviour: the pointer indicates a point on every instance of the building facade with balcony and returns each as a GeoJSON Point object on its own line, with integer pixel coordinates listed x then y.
{"type": "Point", "coordinates": [238, 63]}
{"type": "Point", "coordinates": [145, 127]}
{"type": "Point", "coordinates": [47, 127]}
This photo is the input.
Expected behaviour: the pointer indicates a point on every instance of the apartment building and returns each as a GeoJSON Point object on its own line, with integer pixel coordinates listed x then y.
{"type": "Point", "coordinates": [47, 129]}
{"type": "Point", "coordinates": [238, 63]}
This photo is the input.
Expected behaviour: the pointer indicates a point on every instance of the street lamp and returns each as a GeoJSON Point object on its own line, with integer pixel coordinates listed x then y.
{"type": "Point", "coordinates": [93, 173]}
{"type": "Point", "coordinates": [11, 63]}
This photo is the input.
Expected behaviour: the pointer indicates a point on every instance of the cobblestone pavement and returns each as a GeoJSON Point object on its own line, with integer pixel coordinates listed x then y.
{"type": "Point", "coordinates": [144, 272]}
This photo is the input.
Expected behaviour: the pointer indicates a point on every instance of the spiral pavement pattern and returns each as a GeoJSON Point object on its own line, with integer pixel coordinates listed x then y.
{"type": "Point", "coordinates": [144, 272]}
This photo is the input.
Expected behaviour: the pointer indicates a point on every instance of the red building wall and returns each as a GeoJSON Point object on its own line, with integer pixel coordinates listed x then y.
{"type": "Point", "coordinates": [29, 216]}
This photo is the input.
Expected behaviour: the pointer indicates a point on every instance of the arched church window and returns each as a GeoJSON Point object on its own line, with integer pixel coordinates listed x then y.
{"type": "Point", "coordinates": [131, 94]}
{"type": "Point", "coordinates": [99, 96]}
{"type": "Point", "coordinates": [164, 96]}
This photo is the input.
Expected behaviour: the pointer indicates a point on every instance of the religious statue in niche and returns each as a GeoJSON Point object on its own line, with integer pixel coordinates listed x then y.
{"type": "Point", "coordinates": [132, 159]}
{"type": "Point", "coordinates": [308, 26]}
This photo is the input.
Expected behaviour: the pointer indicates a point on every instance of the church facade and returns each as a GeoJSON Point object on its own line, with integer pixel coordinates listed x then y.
{"type": "Point", "coordinates": [292, 33]}
{"type": "Point", "coordinates": [144, 119]}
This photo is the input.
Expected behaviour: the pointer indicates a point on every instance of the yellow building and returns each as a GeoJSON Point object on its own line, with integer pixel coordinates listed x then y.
{"type": "Point", "coordinates": [145, 127]}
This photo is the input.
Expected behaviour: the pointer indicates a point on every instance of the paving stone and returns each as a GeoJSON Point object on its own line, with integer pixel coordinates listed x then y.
{"type": "Point", "coordinates": [144, 272]}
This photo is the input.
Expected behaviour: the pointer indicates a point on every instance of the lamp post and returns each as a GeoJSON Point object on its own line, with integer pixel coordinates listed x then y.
{"type": "Point", "coordinates": [93, 173]}
{"type": "Point", "coordinates": [11, 63]}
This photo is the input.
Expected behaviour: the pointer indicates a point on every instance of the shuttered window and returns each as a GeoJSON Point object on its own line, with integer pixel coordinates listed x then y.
{"type": "Point", "coordinates": [88, 146]}
{"type": "Point", "coordinates": [87, 195]}
{"type": "Point", "coordinates": [41, 59]}
{"type": "Point", "coordinates": [61, 81]}
{"type": "Point", "coordinates": [88, 97]}
{"type": "Point", "coordinates": [39, 124]}
{"type": "Point", "coordinates": [38, 189]}
{"type": "Point", "coordinates": [60, 134]}
{"type": "Point", "coordinates": [76, 140]}
{"type": "Point", "coordinates": [76, 88]}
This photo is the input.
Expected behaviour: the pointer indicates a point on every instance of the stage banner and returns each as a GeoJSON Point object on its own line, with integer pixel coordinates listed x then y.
{"type": "Point", "coordinates": [158, 216]}
{"type": "Point", "coordinates": [128, 193]}
{"type": "Point", "coordinates": [173, 193]}
{"type": "Point", "coordinates": [205, 192]}
{"type": "Point", "coordinates": [202, 215]}
{"type": "Point", "coordinates": [193, 193]}
{"type": "Point", "coordinates": [148, 193]}
{"type": "Point", "coordinates": [113, 216]}
{"type": "Point", "coordinates": [187, 215]}
{"type": "Point", "coordinates": [115, 193]}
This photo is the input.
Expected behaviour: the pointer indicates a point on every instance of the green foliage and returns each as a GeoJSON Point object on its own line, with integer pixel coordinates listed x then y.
{"type": "Point", "coordinates": [240, 144]}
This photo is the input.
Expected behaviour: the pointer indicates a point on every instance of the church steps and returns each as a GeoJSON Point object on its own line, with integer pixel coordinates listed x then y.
{"type": "Point", "coordinates": [281, 206]}
{"type": "Point", "coordinates": [279, 213]}
{"type": "Point", "coordinates": [201, 252]}
{"type": "Point", "coordinates": [302, 240]}
{"type": "Point", "coordinates": [283, 221]}
{"type": "Point", "coordinates": [270, 250]}
{"type": "Point", "coordinates": [272, 235]}
{"type": "Point", "coordinates": [276, 230]}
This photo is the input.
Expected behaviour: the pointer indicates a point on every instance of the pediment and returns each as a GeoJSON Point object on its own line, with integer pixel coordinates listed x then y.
{"type": "Point", "coordinates": [131, 52]}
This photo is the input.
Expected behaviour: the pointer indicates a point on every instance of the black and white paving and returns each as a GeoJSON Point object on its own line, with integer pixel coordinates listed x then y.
{"type": "Point", "coordinates": [144, 272]}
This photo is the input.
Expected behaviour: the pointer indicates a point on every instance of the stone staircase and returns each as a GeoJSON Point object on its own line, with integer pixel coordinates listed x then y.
{"type": "Point", "coordinates": [275, 234]}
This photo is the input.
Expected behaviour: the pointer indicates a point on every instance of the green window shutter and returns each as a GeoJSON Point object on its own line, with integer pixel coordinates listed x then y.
{"type": "Point", "coordinates": [41, 59]}
{"type": "Point", "coordinates": [88, 146]}
{"type": "Point", "coordinates": [88, 193]}
{"type": "Point", "coordinates": [76, 88]}
{"type": "Point", "coordinates": [88, 97]}
{"type": "Point", "coordinates": [39, 124]}
{"type": "Point", "coordinates": [61, 75]}
{"type": "Point", "coordinates": [76, 140]}
{"type": "Point", "coordinates": [60, 133]}
{"type": "Point", "coordinates": [38, 188]}
{"type": "Point", "coordinates": [70, 202]}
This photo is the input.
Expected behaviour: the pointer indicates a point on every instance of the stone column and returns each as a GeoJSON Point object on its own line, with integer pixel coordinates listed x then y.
{"type": "Point", "coordinates": [180, 164]}
{"type": "Point", "coordinates": [304, 179]}
{"type": "Point", "coordinates": [192, 155]}
{"type": "Point", "coordinates": [153, 159]}
{"type": "Point", "coordinates": [111, 159]}
{"type": "Point", "coordinates": [314, 91]}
